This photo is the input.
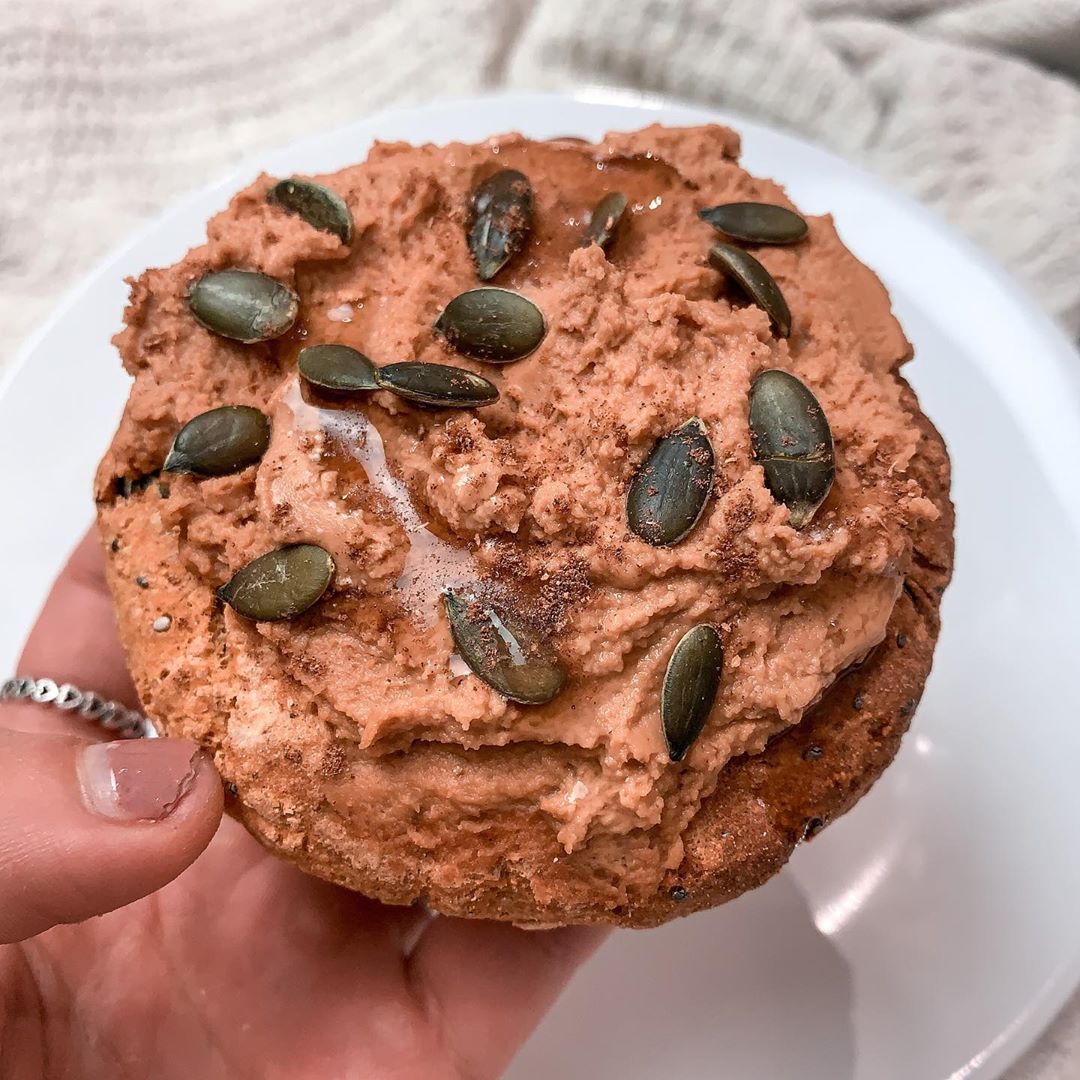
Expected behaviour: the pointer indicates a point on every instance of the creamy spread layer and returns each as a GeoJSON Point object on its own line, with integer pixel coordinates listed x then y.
{"type": "Point", "coordinates": [529, 493]}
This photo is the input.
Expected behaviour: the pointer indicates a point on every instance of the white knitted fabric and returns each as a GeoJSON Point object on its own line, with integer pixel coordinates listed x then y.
{"type": "Point", "coordinates": [111, 108]}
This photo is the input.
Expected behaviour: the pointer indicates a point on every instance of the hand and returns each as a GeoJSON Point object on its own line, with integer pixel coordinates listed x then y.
{"type": "Point", "coordinates": [242, 966]}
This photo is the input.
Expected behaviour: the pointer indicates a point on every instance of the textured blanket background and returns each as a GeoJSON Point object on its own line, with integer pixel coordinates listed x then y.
{"type": "Point", "coordinates": [112, 108]}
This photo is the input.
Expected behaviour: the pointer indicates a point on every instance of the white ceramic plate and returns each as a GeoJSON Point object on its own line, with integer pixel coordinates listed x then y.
{"type": "Point", "coordinates": [931, 933]}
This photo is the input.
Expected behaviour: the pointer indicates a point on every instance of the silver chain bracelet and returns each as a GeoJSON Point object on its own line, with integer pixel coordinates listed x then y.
{"type": "Point", "coordinates": [111, 715]}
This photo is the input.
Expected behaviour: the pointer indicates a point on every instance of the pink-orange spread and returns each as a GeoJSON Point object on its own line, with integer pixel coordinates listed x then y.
{"type": "Point", "coordinates": [531, 491]}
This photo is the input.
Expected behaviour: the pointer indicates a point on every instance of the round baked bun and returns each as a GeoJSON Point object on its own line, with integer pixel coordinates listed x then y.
{"type": "Point", "coordinates": [594, 622]}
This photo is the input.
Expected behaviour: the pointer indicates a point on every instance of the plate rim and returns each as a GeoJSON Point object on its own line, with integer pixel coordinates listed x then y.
{"type": "Point", "coordinates": [1061, 355]}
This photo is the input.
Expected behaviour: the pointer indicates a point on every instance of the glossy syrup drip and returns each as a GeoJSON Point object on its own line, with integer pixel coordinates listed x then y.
{"type": "Point", "coordinates": [352, 445]}
{"type": "Point", "coordinates": [574, 184]}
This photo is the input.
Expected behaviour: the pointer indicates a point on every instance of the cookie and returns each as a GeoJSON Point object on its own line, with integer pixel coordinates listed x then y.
{"type": "Point", "coordinates": [543, 531]}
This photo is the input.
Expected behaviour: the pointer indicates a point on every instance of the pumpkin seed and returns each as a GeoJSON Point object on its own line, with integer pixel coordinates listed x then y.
{"type": "Point", "coordinates": [503, 650]}
{"type": "Point", "coordinates": [280, 584]}
{"type": "Point", "coordinates": [243, 305]}
{"type": "Point", "coordinates": [337, 368]}
{"type": "Point", "coordinates": [690, 684]}
{"type": "Point", "coordinates": [320, 207]}
{"type": "Point", "coordinates": [670, 489]}
{"type": "Point", "coordinates": [755, 281]}
{"type": "Point", "coordinates": [438, 384]}
{"type": "Point", "coordinates": [501, 220]}
{"type": "Point", "coordinates": [496, 325]}
{"type": "Point", "coordinates": [756, 223]}
{"type": "Point", "coordinates": [605, 220]}
{"type": "Point", "coordinates": [221, 441]}
{"type": "Point", "coordinates": [792, 443]}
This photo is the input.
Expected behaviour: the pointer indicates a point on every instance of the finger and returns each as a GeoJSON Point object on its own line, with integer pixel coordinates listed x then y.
{"type": "Point", "coordinates": [488, 984]}
{"type": "Point", "coordinates": [74, 639]}
{"type": "Point", "coordinates": [308, 917]}
{"type": "Point", "coordinates": [86, 827]}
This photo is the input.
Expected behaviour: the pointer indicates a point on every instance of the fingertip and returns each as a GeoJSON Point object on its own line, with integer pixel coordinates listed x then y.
{"type": "Point", "coordinates": [472, 971]}
{"type": "Point", "coordinates": [161, 801]}
{"type": "Point", "coordinates": [89, 827]}
{"type": "Point", "coordinates": [556, 948]}
{"type": "Point", "coordinates": [569, 946]}
{"type": "Point", "coordinates": [168, 786]}
{"type": "Point", "coordinates": [141, 779]}
{"type": "Point", "coordinates": [203, 804]}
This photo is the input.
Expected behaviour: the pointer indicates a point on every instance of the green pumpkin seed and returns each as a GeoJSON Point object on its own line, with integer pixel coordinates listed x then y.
{"type": "Point", "coordinates": [690, 685]}
{"type": "Point", "coordinates": [243, 305]}
{"type": "Point", "coordinates": [337, 368]}
{"type": "Point", "coordinates": [756, 223]}
{"type": "Point", "coordinates": [496, 325]}
{"type": "Point", "coordinates": [755, 281]}
{"type": "Point", "coordinates": [503, 650]}
{"type": "Point", "coordinates": [605, 220]}
{"type": "Point", "coordinates": [501, 220]}
{"type": "Point", "coordinates": [320, 207]}
{"type": "Point", "coordinates": [219, 442]}
{"type": "Point", "coordinates": [670, 489]}
{"type": "Point", "coordinates": [792, 443]}
{"type": "Point", "coordinates": [280, 584]}
{"type": "Point", "coordinates": [438, 384]}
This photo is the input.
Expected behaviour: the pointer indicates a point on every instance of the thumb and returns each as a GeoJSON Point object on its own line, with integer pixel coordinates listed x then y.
{"type": "Point", "coordinates": [86, 827]}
